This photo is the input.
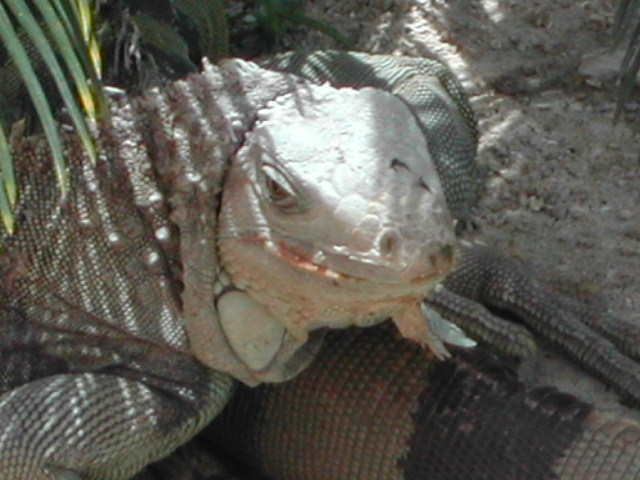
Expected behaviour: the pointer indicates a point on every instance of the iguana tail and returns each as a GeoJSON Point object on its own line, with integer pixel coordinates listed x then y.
{"type": "Point", "coordinates": [387, 410]}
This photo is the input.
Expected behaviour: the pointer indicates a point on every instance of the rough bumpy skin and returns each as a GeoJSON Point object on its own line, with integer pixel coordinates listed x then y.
{"type": "Point", "coordinates": [484, 280]}
{"type": "Point", "coordinates": [436, 99]}
{"type": "Point", "coordinates": [328, 220]}
{"type": "Point", "coordinates": [96, 364]}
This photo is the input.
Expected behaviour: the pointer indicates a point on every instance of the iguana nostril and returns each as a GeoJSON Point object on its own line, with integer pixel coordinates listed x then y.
{"type": "Point", "coordinates": [388, 243]}
{"type": "Point", "coordinates": [447, 253]}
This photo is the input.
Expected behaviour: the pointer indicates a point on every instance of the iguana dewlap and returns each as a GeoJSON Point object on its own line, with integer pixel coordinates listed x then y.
{"type": "Point", "coordinates": [332, 215]}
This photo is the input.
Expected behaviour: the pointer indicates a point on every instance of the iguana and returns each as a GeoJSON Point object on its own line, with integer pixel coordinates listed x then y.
{"type": "Point", "coordinates": [119, 328]}
{"type": "Point", "coordinates": [129, 304]}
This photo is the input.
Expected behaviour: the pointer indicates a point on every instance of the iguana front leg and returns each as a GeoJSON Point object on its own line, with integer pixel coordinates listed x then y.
{"type": "Point", "coordinates": [103, 426]}
{"type": "Point", "coordinates": [486, 279]}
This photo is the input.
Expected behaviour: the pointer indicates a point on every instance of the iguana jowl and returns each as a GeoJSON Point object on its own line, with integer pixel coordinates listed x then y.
{"type": "Point", "coordinates": [118, 324]}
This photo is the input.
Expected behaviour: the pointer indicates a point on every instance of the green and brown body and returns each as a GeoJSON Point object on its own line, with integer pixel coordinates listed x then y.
{"type": "Point", "coordinates": [372, 406]}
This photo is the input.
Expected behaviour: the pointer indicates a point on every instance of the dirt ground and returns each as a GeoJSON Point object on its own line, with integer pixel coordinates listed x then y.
{"type": "Point", "coordinates": [563, 182]}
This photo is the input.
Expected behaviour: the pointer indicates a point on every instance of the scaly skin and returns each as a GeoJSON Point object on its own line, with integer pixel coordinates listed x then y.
{"type": "Point", "coordinates": [320, 232]}
{"type": "Point", "coordinates": [374, 407]}
{"type": "Point", "coordinates": [604, 346]}
{"type": "Point", "coordinates": [119, 328]}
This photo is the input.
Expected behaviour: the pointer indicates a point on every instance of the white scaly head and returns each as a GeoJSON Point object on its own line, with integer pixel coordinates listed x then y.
{"type": "Point", "coordinates": [332, 215]}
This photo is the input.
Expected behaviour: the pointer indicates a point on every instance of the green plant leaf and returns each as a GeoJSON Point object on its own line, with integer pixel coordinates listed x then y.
{"type": "Point", "coordinates": [32, 28]}
{"type": "Point", "coordinates": [22, 61]}
{"type": "Point", "coordinates": [8, 193]}
{"type": "Point", "coordinates": [274, 17]}
{"type": "Point", "coordinates": [62, 37]}
{"type": "Point", "coordinates": [79, 24]}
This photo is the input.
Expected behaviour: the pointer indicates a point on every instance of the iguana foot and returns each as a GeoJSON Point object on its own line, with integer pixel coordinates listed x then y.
{"type": "Point", "coordinates": [487, 281]}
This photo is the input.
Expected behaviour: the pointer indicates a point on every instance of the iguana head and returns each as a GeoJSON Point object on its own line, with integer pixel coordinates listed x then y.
{"type": "Point", "coordinates": [332, 215]}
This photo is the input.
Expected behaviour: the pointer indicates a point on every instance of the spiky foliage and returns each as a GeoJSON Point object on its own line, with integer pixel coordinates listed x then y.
{"type": "Point", "coordinates": [48, 40]}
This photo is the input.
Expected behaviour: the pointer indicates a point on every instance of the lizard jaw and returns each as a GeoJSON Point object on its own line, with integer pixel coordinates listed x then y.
{"type": "Point", "coordinates": [303, 295]}
{"type": "Point", "coordinates": [433, 267]}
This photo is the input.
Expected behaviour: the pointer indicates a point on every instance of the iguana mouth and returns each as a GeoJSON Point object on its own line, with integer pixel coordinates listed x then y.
{"type": "Point", "coordinates": [295, 256]}
{"type": "Point", "coordinates": [353, 268]}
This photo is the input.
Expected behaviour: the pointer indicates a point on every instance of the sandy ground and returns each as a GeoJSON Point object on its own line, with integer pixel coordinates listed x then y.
{"type": "Point", "coordinates": [563, 182]}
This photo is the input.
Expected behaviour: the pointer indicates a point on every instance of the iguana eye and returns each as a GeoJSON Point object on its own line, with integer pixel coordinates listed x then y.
{"type": "Point", "coordinates": [280, 190]}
